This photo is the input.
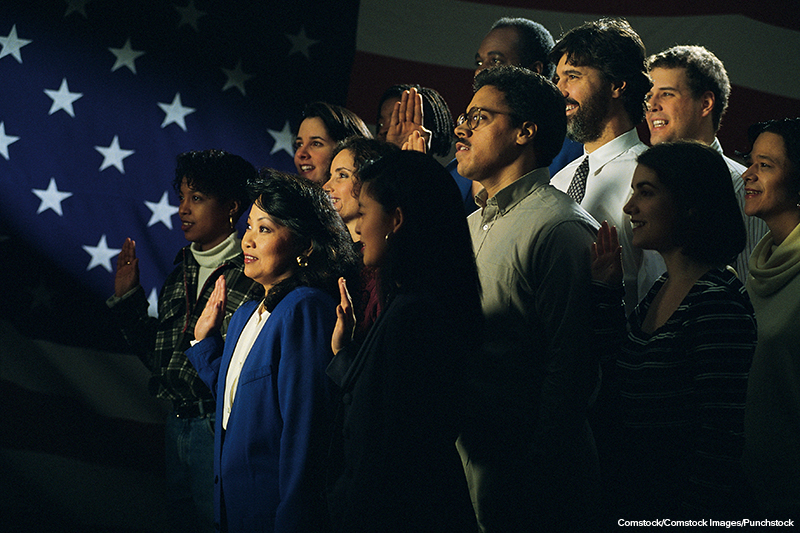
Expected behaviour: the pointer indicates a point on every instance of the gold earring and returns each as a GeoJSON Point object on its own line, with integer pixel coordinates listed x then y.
{"type": "Point", "coordinates": [302, 261]}
{"type": "Point", "coordinates": [230, 219]}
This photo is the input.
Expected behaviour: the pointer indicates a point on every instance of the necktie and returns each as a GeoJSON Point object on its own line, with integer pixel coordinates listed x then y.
{"type": "Point", "coordinates": [577, 188]}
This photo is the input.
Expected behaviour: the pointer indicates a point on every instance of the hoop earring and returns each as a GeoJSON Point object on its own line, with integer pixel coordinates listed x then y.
{"type": "Point", "coordinates": [302, 261]}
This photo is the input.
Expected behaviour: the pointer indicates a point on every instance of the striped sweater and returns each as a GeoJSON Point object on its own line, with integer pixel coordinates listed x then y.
{"type": "Point", "coordinates": [672, 403]}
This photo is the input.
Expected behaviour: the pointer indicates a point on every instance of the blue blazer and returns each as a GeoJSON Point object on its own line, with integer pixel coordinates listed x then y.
{"type": "Point", "coordinates": [269, 463]}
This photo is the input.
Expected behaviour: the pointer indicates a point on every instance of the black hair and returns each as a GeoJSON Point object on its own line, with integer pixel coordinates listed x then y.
{"type": "Point", "coordinates": [532, 98]}
{"type": "Point", "coordinates": [709, 226]}
{"type": "Point", "coordinates": [218, 174]}
{"type": "Point", "coordinates": [615, 49]}
{"type": "Point", "coordinates": [364, 152]}
{"type": "Point", "coordinates": [431, 252]}
{"type": "Point", "coordinates": [339, 122]}
{"type": "Point", "coordinates": [789, 130]}
{"type": "Point", "coordinates": [704, 72]}
{"type": "Point", "coordinates": [436, 116]}
{"type": "Point", "coordinates": [305, 209]}
{"type": "Point", "coordinates": [535, 42]}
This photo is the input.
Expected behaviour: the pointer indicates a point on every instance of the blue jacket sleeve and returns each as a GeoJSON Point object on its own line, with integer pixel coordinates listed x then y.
{"type": "Point", "coordinates": [305, 396]}
{"type": "Point", "coordinates": [206, 356]}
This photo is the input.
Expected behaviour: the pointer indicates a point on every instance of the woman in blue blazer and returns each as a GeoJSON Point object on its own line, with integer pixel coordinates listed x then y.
{"type": "Point", "coordinates": [274, 400]}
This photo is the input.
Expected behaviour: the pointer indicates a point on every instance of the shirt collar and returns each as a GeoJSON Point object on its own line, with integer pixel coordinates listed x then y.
{"type": "Point", "coordinates": [716, 145]}
{"type": "Point", "coordinates": [612, 149]}
{"type": "Point", "coordinates": [509, 196]}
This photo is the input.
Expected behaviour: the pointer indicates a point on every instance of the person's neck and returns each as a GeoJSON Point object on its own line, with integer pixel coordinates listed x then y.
{"type": "Point", "coordinates": [351, 227]}
{"type": "Point", "coordinates": [507, 175]}
{"type": "Point", "coordinates": [682, 269]}
{"type": "Point", "coordinates": [616, 125]}
{"type": "Point", "coordinates": [783, 224]}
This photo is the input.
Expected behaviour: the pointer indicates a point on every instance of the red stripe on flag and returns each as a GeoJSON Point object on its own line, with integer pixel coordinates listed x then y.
{"type": "Point", "coordinates": [781, 14]}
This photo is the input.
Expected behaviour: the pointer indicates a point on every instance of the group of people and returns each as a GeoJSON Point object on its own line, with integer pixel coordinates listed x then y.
{"type": "Point", "coordinates": [608, 334]}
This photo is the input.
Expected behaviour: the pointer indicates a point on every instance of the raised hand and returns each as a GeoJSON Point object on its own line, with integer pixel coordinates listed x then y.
{"type": "Point", "coordinates": [407, 118]}
{"type": "Point", "coordinates": [127, 276]}
{"type": "Point", "coordinates": [213, 314]}
{"type": "Point", "coordinates": [416, 142]}
{"type": "Point", "coordinates": [345, 320]}
{"type": "Point", "coordinates": [607, 256]}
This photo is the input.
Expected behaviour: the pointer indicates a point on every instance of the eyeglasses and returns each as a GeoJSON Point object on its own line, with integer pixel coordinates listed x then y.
{"type": "Point", "coordinates": [475, 116]}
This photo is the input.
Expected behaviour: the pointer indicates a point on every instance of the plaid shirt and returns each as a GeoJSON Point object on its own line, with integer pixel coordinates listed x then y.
{"type": "Point", "coordinates": [160, 342]}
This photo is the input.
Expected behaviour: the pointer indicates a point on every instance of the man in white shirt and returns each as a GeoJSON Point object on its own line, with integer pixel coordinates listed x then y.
{"type": "Point", "coordinates": [600, 70]}
{"type": "Point", "coordinates": [689, 96]}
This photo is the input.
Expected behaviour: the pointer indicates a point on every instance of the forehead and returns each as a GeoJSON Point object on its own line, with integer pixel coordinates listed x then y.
{"type": "Point", "coordinates": [312, 127]}
{"type": "Point", "coordinates": [769, 144]}
{"type": "Point", "coordinates": [669, 77]}
{"type": "Point", "coordinates": [343, 159]}
{"type": "Point", "coordinates": [644, 174]}
{"type": "Point", "coordinates": [565, 66]}
{"type": "Point", "coordinates": [489, 97]}
{"type": "Point", "coordinates": [503, 41]}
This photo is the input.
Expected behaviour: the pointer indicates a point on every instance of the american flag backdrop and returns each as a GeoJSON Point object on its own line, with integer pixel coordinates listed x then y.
{"type": "Point", "coordinates": [99, 96]}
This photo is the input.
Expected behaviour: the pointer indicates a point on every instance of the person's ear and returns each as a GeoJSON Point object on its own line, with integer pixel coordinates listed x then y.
{"type": "Point", "coordinates": [707, 103]}
{"type": "Point", "coordinates": [527, 132]}
{"type": "Point", "coordinates": [397, 219]}
{"type": "Point", "coordinates": [618, 88]}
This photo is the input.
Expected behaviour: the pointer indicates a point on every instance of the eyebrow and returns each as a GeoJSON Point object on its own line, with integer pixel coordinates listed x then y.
{"type": "Point", "coordinates": [492, 53]}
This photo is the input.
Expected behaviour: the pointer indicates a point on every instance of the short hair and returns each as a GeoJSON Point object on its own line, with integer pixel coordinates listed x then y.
{"type": "Point", "coordinates": [436, 115]}
{"type": "Point", "coordinates": [615, 49]}
{"type": "Point", "coordinates": [535, 42]}
{"type": "Point", "coordinates": [789, 130]}
{"type": "Point", "coordinates": [704, 72]}
{"type": "Point", "coordinates": [709, 225]}
{"type": "Point", "coordinates": [218, 174]}
{"type": "Point", "coordinates": [432, 250]}
{"type": "Point", "coordinates": [340, 123]}
{"type": "Point", "coordinates": [532, 98]}
{"type": "Point", "coordinates": [305, 209]}
{"type": "Point", "coordinates": [364, 152]}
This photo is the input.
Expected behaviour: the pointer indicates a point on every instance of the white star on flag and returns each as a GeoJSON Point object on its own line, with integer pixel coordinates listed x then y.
{"type": "Point", "coordinates": [51, 198]}
{"type": "Point", "coordinates": [113, 155]}
{"type": "Point", "coordinates": [62, 99]}
{"type": "Point", "coordinates": [162, 211]}
{"type": "Point", "coordinates": [236, 78]}
{"type": "Point", "coordinates": [300, 43]}
{"type": "Point", "coordinates": [101, 254]}
{"type": "Point", "coordinates": [11, 44]}
{"type": "Point", "coordinates": [125, 57]}
{"type": "Point", "coordinates": [176, 112]}
{"type": "Point", "coordinates": [190, 15]}
{"type": "Point", "coordinates": [5, 140]}
{"type": "Point", "coordinates": [284, 140]}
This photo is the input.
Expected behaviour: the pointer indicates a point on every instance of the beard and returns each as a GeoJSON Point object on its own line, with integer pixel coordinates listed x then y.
{"type": "Point", "coordinates": [587, 124]}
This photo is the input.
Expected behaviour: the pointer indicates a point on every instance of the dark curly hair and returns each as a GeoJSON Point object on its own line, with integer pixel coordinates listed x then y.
{"type": "Point", "coordinates": [532, 98]}
{"type": "Point", "coordinates": [216, 173]}
{"type": "Point", "coordinates": [789, 130]}
{"type": "Point", "coordinates": [364, 152]}
{"type": "Point", "coordinates": [436, 116]}
{"type": "Point", "coordinates": [615, 49]}
{"type": "Point", "coordinates": [535, 42]}
{"type": "Point", "coordinates": [304, 209]}
{"type": "Point", "coordinates": [709, 226]}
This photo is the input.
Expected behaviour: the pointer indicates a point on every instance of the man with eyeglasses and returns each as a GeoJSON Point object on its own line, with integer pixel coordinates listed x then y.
{"type": "Point", "coordinates": [528, 453]}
